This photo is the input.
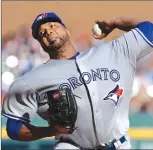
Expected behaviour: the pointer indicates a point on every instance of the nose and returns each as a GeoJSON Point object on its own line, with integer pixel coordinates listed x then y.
{"type": "Point", "coordinates": [48, 32]}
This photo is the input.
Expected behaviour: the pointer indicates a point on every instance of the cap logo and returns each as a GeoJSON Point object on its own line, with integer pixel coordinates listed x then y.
{"type": "Point", "coordinates": [42, 16]}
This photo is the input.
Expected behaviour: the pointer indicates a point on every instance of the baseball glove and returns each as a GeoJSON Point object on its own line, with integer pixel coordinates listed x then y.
{"type": "Point", "coordinates": [62, 110]}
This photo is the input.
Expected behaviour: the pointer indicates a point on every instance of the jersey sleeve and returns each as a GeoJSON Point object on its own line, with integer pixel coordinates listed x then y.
{"type": "Point", "coordinates": [20, 102]}
{"type": "Point", "coordinates": [136, 43]}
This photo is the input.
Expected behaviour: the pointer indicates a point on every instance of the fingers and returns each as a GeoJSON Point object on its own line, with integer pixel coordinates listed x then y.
{"type": "Point", "coordinates": [104, 22]}
{"type": "Point", "coordinates": [99, 37]}
{"type": "Point", "coordinates": [105, 26]}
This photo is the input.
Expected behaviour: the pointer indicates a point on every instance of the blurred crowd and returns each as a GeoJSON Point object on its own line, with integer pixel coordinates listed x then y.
{"type": "Point", "coordinates": [20, 53]}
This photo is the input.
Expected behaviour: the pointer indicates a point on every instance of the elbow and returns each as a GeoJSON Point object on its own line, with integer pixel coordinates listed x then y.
{"type": "Point", "coordinates": [13, 127]}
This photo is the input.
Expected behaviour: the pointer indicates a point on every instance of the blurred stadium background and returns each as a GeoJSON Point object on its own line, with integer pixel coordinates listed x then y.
{"type": "Point", "coordinates": [20, 53]}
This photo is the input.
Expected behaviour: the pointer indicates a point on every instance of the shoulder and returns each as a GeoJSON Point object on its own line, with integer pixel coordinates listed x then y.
{"type": "Point", "coordinates": [98, 48]}
{"type": "Point", "coordinates": [17, 86]}
{"type": "Point", "coordinates": [35, 73]}
{"type": "Point", "coordinates": [34, 77]}
{"type": "Point", "coordinates": [35, 70]}
{"type": "Point", "coordinates": [23, 83]}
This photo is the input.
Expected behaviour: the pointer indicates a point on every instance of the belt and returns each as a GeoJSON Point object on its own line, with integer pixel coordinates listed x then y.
{"type": "Point", "coordinates": [112, 145]}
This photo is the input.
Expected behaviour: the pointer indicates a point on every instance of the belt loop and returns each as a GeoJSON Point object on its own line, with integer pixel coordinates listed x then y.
{"type": "Point", "coordinates": [119, 142]}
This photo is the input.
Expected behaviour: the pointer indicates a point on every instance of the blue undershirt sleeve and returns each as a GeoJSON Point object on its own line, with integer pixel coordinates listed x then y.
{"type": "Point", "coordinates": [13, 128]}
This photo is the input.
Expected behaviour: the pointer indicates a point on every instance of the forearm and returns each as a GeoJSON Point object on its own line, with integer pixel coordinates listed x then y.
{"type": "Point", "coordinates": [125, 23]}
{"type": "Point", "coordinates": [32, 133]}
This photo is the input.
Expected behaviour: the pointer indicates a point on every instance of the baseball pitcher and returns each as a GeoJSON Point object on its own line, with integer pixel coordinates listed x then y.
{"type": "Point", "coordinates": [84, 96]}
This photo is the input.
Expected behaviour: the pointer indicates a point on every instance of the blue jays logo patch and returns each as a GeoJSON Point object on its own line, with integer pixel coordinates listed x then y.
{"type": "Point", "coordinates": [42, 16]}
{"type": "Point", "coordinates": [114, 95]}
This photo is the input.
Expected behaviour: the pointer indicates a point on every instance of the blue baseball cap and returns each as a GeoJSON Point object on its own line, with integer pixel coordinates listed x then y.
{"type": "Point", "coordinates": [43, 18]}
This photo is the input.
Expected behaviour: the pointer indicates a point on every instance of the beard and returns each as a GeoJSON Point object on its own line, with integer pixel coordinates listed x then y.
{"type": "Point", "coordinates": [56, 43]}
{"type": "Point", "coordinates": [53, 44]}
{"type": "Point", "coordinates": [54, 47]}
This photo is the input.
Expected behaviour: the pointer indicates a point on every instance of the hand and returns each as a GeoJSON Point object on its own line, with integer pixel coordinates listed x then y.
{"type": "Point", "coordinates": [57, 130]}
{"type": "Point", "coordinates": [106, 28]}
{"type": "Point", "coordinates": [121, 23]}
{"type": "Point", "coordinates": [62, 130]}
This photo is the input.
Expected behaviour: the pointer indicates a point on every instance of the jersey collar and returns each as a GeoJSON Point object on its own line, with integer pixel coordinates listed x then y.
{"type": "Point", "coordinates": [73, 57]}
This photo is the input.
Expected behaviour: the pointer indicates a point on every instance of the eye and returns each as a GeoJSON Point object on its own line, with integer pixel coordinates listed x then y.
{"type": "Point", "coordinates": [52, 25]}
{"type": "Point", "coordinates": [111, 94]}
{"type": "Point", "coordinates": [41, 33]}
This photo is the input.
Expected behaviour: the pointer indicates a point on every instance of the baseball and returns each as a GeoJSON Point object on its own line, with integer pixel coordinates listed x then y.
{"type": "Point", "coordinates": [96, 30]}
